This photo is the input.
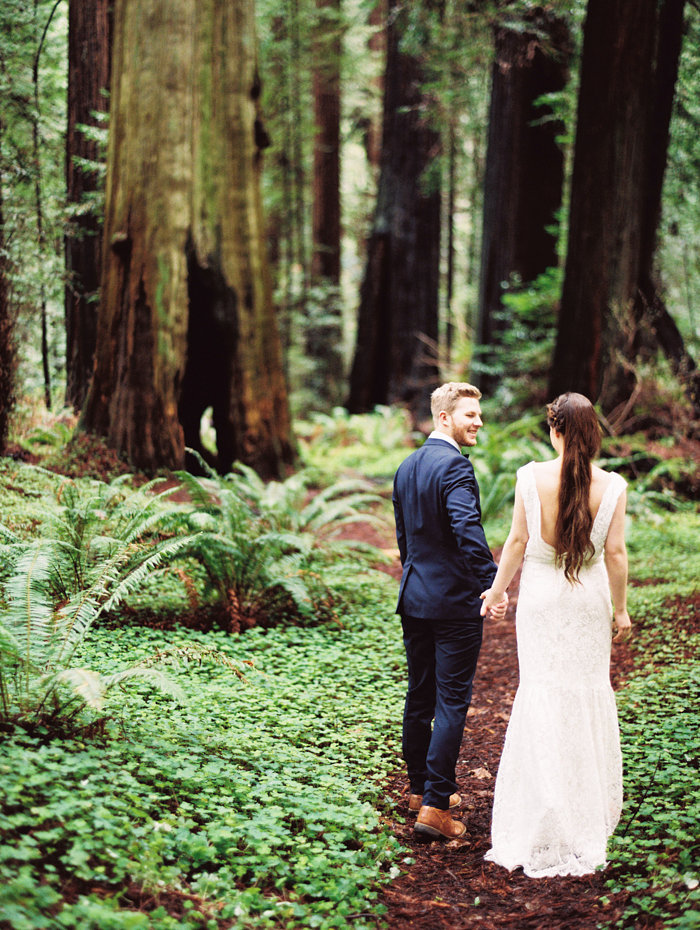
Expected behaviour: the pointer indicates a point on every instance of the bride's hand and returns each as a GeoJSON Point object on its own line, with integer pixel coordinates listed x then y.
{"type": "Point", "coordinates": [494, 606]}
{"type": "Point", "coordinates": [623, 625]}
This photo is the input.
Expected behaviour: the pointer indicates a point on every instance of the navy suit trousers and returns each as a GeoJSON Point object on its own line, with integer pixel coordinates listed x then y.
{"type": "Point", "coordinates": [441, 657]}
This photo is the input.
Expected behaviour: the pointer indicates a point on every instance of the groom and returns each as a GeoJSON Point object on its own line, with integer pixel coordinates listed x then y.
{"type": "Point", "coordinates": [446, 565]}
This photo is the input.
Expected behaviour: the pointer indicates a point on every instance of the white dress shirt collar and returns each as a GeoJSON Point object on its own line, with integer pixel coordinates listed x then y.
{"type": "Point", "coordinates": [438, 434]}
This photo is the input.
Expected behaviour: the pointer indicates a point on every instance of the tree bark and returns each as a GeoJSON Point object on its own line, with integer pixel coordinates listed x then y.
{"type": "Point", "coordinates": [395, 362]}
{"type": "Point", "coordinates": [325, 261]}
{"type": "Point", "coordinates": [8, 358]}
{"type": "Point", "coordinates": [324, 321]}
{"type": "Point", "coordinates": [89, 26]}
{"type": "Point", "coordinates": [649, 304]}
{"type": "Point", "coordinates": [186, 316]}
{"type": "Point", "coordinates": [377, 46]}
{"type": "Point", "coordinates": [524, 174]}
{"type": "Point", "coordinates": [630, 60]}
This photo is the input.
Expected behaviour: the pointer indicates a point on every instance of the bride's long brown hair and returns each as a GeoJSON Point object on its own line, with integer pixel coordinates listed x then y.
{"type": "Point", "coordinates": [573, 416]}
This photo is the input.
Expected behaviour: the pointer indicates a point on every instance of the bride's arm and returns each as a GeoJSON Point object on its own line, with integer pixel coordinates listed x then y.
{"type": "Point", "coordinates": [616, 564]}
{"type": "Point", "coordinates": [511, 557]}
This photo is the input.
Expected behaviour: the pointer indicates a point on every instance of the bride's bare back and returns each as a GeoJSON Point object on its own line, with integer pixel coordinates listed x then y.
{"type": "Point", "coordinates": [547, 475]}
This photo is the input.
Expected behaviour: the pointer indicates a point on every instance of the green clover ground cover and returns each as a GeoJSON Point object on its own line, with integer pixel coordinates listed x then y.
{"type": "Point", "coordinates": [256, 802]}
{"type": "Point", "coordinates": [655, 853]}
{"type": "Point", "coordinates": [257, 805]}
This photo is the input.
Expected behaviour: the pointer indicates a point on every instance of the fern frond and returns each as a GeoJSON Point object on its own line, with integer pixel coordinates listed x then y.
{"type": "Point", "coordinates": [196, 652]}
{"type": "Point", "coordinates": [85, 684]}
{"type": "Point", "coordinates": [283, 541]}
{"type": "Point", "coordinates": [8, 535]}
{"type": "Point", "coordinates": [29, 615]}
{"type": "Point", "coordinates": [10, 648]}
{"type": "Point", "coordinates": [167, 549]}
{"type": "Point", "coordinates": [152, 676]}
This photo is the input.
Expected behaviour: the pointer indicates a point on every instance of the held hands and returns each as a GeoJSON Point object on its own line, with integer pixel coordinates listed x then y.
{"type": "Point", "coordinates": [494, 605]}
{"type": "Point", "coordinates": [623, 626]}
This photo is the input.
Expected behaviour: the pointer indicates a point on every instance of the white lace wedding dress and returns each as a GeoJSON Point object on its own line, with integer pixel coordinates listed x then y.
{"type": "Point", "coordinates": [559, 787]}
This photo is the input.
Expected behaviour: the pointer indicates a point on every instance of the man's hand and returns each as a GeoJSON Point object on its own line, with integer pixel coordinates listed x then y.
{"type": "Point", "coordinates": [493, 604]}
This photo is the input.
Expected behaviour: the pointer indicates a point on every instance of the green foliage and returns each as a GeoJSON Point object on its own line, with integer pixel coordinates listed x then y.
{"type": "Point", "coordinates": [256, 804]}
{"type": "Point", "coordinates": [522, 360]}
{"type": "Point", "coordinates": [372, 444]}
{"type": "Point", "coordinates": [679, 238]}
{"type": "Point", "coordinates": [500, 451]}
{"type": "Point", "coordinates": [40, 683]}
{"type": "Point", "coordinates": [270, 551]}
{"type": "Point", "coordinates": [32, 144]}
{"type": "Point", "coordinates": [655, 853]}
{"type": "Point", "coordinates": [316, 357]}
{"type": "Point", "coordinates": [660, 480]}
{"type": "Point", "coordinates": [96, 549]}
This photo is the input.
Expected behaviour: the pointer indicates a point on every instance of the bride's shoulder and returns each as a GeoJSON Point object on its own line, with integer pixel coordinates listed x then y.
{"type": "Point", "coordinates": [605, 480]}
{"type": "Point", "coordinates": [600, 474]}
{"type": "Point", "coordinates": [548, 467]}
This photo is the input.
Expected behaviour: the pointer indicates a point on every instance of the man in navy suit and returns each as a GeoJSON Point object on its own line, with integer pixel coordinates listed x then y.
{"type": "Point", "coordinates": [447, 564]}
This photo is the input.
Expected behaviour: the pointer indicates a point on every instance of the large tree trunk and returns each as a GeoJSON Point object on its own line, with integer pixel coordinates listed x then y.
{"type": "Point", "coordinates": [377, 46]}
{"type": "Point", "coordinates": [649, 305]}
{"type": "Point", "coordinates": [7, 343]}
{"type": "Point", "coordinates": [186, 317]}
{"type": "Point", "coordinates": [89, 24]}
{"type": "Point", "coordinates": [524, 174]}
{"type": "Point", "coordinates": [395, 360]}
{"type": "Point", "coordinates": [324, 321]}
{"type": "Point", "coordinates": [630, 58]}
{"type": "Point", "coordinates": [325, 262]}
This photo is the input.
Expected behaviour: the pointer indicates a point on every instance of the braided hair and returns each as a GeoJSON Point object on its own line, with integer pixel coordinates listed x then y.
{"type": "Point", "coordinates": [574, 418]}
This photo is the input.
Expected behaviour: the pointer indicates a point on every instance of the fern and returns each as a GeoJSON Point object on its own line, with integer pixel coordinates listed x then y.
{"type": "Point", "coordinates": [100, 545]}
{"type": "Point", "coordinates": [264, 545]}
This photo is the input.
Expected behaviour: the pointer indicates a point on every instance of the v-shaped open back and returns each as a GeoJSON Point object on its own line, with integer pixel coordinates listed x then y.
{"type": "Point", "coordinates": [534, 509]}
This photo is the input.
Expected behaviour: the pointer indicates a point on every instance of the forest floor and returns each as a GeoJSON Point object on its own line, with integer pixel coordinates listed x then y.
{"type": "Point", "coordinates": [449, 886]}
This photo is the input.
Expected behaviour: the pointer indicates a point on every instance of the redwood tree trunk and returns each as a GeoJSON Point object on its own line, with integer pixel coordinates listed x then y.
{"type": "Point", "coordinates": [377, 46]}
{"type": "Point", "coordinates": [88, 81]}
{"type": "Point", "coordinates": [324, 322]}
{"type": "Point", "coordinates": [7, 344]}
{"type": "Point", "coordinates": [325, 261]}
{"type": "Point", "coordinates": [186, 317]}
{"type": "Point", "coordinates": [524, 174]}
{"type": "Point", "coordinates": [394, 359]}
{"type": "Point", "coordinates": [649, 305]}
{"type": "Point", "coordinates": [628, 73]}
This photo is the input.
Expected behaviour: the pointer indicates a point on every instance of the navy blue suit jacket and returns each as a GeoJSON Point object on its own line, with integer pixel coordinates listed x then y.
{"type": "Point", "coordinates": [446, 560]}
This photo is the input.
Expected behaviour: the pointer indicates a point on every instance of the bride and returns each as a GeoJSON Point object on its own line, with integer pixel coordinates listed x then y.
{"type": "Point", "coordinates": [558, 792]}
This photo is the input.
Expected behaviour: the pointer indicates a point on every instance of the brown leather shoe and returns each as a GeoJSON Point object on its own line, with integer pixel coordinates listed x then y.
{"type": "Point", "coordinates": [415, 802]}
{"type": "Point", "coordinates": [433, 822]}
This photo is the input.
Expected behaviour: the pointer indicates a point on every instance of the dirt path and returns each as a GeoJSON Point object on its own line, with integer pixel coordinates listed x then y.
{"type": "Point", "coordinates": [449, 886]}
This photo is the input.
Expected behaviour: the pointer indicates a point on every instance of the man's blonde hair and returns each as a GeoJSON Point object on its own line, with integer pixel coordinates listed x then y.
{"type": "Point", "coordinates": [448, 395]}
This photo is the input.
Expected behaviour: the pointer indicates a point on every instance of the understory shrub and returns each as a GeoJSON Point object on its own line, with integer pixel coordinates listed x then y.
{"type": "Point", "coordinates": [274, 552]}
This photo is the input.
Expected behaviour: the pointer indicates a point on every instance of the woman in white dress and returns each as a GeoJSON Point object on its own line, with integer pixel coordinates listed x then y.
{"type": "Point", "coordinates": [558, 792]}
